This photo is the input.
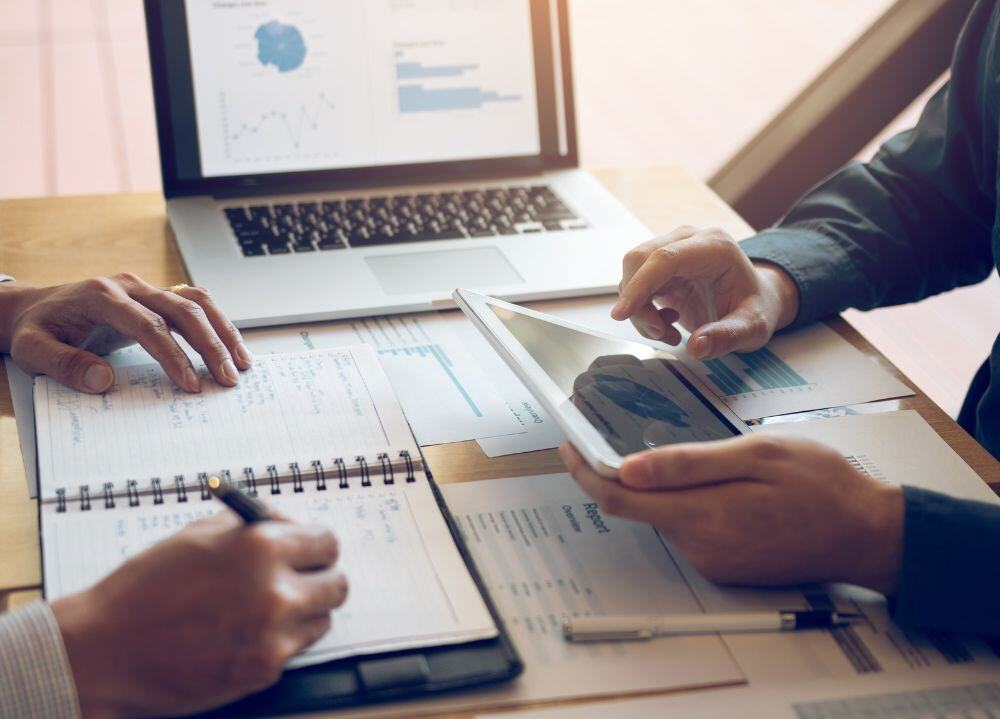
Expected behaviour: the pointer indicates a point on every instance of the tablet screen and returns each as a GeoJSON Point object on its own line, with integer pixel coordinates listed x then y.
{"type": "Point", "coordinates": [633, 395]}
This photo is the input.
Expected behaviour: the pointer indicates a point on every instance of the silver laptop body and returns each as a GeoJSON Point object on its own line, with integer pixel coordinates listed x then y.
{"type": "Point", "coordinates": [330, 160]}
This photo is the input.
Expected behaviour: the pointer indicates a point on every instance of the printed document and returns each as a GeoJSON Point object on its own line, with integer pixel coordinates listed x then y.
{"type": "Point", "coordinates": [545, 550]}
{"type": "Point", "coordinates": [955, 692]}
{"type": "Point", "coordinates": [444, 392]}
{"type": "Point", "coordinates": [898, 448]}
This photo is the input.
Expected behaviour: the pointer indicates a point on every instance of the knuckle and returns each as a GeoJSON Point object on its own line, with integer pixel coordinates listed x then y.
{"type": "Point", "coordinates": [635, 256]}
{"type": "Point", "coordinates": [258, 544]}
{"type": "Point", "coordinates": [686, 230]}
{"type": "Point", "coordinates": [666, 253]}
{"type": "Point", "coordinates": [25, 346]}
{"type": "Point", "coordinates": [191, 309]}
{"type": "Point", "coordinates": [343, 589]}
{"type": "Point", "coordinates": [99, 285]}
{"type": "Point", "coordinates": [768, 448]}
{"type": "Point", "coordinates": [68, 364]}
{"type": "Point", "coordinates": [277, 604]}
{"type": "Point", "coordinates": [719, 237]}
{"type": "Point", "coordinates": [320, 543]}
{"type": "Point", "coordinates": [263, 664]}
{"type": "Point", "coordinates": [757, 323]}
{"type": "Point", "coordinates": [127, 278]}
{"type": "Point", "coordinates": [330, 546]}
{"type": "Point", "coordinates": [729, 335]}
{"type": "Point", "coordinates": [153, 324]}
{"type": "Point", "coordinates": [198, 294]}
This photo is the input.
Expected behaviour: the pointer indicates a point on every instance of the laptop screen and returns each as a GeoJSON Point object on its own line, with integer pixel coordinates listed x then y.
{"type": "Point", "coordinates": [289, 85]}
{"type": "Point", "coordinates": [266, 87]}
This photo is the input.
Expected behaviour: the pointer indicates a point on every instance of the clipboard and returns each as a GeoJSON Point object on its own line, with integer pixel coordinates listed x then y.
{"type": "Point", "coordinates": [390, 676]}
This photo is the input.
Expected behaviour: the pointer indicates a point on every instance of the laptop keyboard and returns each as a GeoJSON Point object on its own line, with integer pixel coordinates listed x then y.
{"type": "Point", "coordinates": [284, 228]}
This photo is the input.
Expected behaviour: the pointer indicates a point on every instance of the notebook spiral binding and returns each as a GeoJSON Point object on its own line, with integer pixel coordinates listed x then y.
{"type": "Point", "coordinates": [317, 480]}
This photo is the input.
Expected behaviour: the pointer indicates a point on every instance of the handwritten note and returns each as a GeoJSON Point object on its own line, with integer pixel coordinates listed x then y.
{"type": "Point", "coordinates": [408, 584]}
{"type": "Point", "coordinates": [289, 408]}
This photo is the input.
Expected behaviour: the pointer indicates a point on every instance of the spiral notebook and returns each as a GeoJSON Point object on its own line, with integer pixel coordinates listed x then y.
{"type": "Point", "coordinates": [318, 435]}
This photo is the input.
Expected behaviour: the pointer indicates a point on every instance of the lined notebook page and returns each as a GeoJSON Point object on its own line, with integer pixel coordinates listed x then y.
{"type": "Point", "coordinates": [299, 407]}
{"type": "Point", "coordinates": [408, 584]}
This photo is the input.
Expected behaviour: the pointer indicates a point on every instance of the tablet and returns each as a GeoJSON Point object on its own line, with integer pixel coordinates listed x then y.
{"type": "Point", "coordinates": [610, 396]}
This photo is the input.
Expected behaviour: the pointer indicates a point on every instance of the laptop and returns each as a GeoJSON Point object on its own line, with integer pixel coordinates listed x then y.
{"type": "Point", "coordinates": [325, 160]}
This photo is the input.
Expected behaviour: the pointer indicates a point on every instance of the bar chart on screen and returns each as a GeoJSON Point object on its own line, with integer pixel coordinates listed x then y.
{"type": "Point", "coordinates": [416, 96]}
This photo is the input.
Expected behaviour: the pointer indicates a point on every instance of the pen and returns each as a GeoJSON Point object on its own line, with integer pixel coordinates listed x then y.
{"type": "Point", "coordinates": [640, 627]}
{"type": "Point", "coordinates": [249, 509]}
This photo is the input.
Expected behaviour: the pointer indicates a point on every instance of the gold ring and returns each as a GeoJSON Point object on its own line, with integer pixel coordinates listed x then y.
{"type": "Point", "coordinates": [176, 289]}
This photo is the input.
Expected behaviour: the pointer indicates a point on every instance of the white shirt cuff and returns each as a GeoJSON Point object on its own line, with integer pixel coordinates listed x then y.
{"type": "Point", "coordinates": [35, 676]}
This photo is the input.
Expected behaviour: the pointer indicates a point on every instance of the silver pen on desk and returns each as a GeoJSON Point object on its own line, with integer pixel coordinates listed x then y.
{"type": "Point", "coordinates": [641, 627]}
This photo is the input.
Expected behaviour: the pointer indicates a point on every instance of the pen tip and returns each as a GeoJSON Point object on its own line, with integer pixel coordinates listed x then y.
{"type": "Point", "coordinates": [214, 482]}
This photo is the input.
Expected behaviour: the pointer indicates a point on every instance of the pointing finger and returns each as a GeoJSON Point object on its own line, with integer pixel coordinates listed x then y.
{"type": "Point", "coordinates": [636, 257]}
{"type": "Point", "coordinates": [689, 258]}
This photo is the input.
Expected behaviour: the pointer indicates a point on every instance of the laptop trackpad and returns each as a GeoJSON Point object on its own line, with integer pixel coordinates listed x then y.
{"type": "Point", "coordinates": [434, 271]}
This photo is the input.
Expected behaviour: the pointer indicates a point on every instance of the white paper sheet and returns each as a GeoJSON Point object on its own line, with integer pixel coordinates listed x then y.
{"type": "Point", "coordinates": [393, 542]}
{"type": "Point", "coordinates": [893, 447]}
{"type": "Point", "coordinates": [955, 692]}
{"type": "Point", "coordinates": [443, 391]}
{"type": "Point", "coordinates": [544, 551]}
{"type": "Point", "coordinates": [812, 368]}
{"type": "Point", "coordinates": [295, 407]}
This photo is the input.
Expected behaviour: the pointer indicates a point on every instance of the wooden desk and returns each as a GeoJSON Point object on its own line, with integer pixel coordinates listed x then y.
{"type": "Point", "coordinates": [50, 241]}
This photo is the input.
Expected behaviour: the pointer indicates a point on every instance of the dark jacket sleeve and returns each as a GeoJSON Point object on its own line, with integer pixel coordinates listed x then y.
{"type": "Point", "coordinates": [951, 564]}
{"type": "Point", "coordinates": [914, 221]}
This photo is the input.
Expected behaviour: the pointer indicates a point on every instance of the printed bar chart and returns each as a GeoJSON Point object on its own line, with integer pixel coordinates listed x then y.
{"type": "Point", "coordinates": [977, 700]}
{"type": "Point", "coordinates": [752, 372]}
{"type": "Point", "coordinates": [435, 353]}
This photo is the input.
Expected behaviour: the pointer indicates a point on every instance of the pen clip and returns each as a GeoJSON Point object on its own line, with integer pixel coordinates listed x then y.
{"type": "Point", "coordinates": [623, 635]}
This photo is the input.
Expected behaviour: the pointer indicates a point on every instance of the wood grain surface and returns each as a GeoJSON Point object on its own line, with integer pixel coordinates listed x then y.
{"type": "Point", "coordinates": [56, 240]}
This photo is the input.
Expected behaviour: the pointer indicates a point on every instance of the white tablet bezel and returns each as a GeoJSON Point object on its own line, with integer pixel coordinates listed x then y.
{"type": "Point", "coordinates": [588, 441]}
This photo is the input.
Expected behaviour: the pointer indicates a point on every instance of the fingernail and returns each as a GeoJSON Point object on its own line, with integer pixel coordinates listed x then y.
{"type": "Point", "coordinates": [618, 309]}
{"type": "Point", "coordinates": [244, 354]}
{"type": "Point", "coordinates": [702, 347]}
{"type": "Point", "coordinates": [229, 371]}
{"type": "Point", "coordinates": [191, 381]}
{"type": "Point", "coordinates": [98, 378]}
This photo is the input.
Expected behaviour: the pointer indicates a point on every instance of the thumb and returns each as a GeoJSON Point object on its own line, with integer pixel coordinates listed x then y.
{"type": "Point", "coordinates": [40, 353]}
{"type": "Point", "coordinates": [737, 332]}
{"type": "Point", "coordinates": [688, 466]}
